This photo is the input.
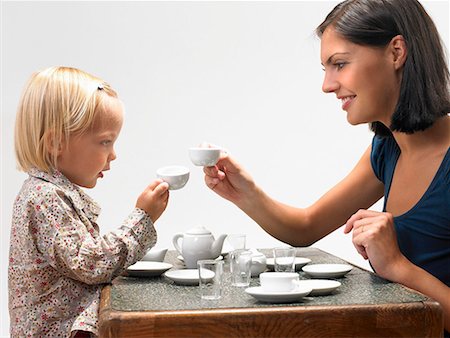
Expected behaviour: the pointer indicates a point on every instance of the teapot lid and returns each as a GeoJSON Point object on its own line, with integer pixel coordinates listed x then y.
{"type": "Point", "coordinates": [256, 253]}
{"type": "Point", "coordinates": [198, 230]}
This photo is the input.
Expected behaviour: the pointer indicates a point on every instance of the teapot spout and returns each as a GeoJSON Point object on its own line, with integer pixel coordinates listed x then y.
{"type": "Point", "coordinates": [216, 247]}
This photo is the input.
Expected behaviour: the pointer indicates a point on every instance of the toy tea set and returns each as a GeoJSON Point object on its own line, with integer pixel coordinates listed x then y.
{"type": "Point", "coordinates": [201, 253]}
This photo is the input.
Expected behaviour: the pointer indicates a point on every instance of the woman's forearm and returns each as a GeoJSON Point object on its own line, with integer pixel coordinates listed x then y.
{"type": "Point", "coordinates": [420, 280]}
{"type": "Point", "coordinates": [284, 222]}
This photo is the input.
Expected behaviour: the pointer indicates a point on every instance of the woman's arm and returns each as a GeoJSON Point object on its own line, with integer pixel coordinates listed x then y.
{"type": "Point", "coordinates": [418, 279]}
{"type": "Point", "coordinates": [375, 239]}
{"type": "Point", "coordinates": [299, 227]}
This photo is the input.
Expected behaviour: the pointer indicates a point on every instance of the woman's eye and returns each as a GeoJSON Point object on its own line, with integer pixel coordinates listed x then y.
{"type": "Point", "coordinates": [339, 65]}
{"type": "Point", "coordinates": [106, 142]}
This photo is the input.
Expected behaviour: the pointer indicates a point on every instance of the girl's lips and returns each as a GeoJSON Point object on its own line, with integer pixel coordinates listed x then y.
{"type": "Point", "coordinates": [100, 175]}
{"type": "Point", "coordinates": [346, 101]}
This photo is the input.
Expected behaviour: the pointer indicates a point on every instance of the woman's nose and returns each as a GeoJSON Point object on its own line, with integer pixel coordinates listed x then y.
{"type": "Point", "coordinates": [329, 84]}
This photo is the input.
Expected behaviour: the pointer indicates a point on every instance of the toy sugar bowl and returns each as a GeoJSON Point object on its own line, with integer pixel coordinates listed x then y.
{"type": "Point", "coordinates": [259, 262]}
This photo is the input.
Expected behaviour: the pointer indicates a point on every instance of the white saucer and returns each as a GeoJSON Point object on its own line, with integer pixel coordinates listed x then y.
{"type": "Point", "coordinates": [327, 270]}
{"type": "Point", "coordinates": [278, 297]}
{"type": "Point", "coordinates": [320, 287]}
{"type": "Point", "coordinates": [299, 263]}
{"type": "Point", "coordinates": [181, 258]}
{"type": "Point", "coordinates": [186, 276]}
{"type": "Point", "coordinates": [148, 268]}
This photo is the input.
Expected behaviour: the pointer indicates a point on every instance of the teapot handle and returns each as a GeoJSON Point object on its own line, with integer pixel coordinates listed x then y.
{"type": "Point", "coordinates": [175, 240]}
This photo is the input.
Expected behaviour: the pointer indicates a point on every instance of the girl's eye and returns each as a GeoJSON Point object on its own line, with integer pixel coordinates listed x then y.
{"type": "Point", "coordinates": [106, 142]}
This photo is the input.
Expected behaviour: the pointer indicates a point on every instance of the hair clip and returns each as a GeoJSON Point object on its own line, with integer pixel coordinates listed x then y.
{"type": "Point", "coordinates": [100, 86]}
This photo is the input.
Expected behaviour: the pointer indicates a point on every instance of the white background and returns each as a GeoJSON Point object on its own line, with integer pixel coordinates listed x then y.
{"type": "Point", "coordinates": [243, 75]}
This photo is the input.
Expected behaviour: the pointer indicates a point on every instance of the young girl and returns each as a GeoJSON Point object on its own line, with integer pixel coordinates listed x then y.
{"type": "Point", "coordinates": [384, 61]}
{"type": "Point", "coordinates": [67, 124]}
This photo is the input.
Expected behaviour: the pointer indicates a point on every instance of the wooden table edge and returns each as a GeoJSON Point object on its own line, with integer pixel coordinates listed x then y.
{"type": "Point", "coordinates": [111, 321]}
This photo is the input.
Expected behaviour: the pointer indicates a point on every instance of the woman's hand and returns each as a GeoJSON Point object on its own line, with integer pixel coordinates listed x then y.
{"type": "Point", "coordinates": [153, 200]}
{"type": "Point", "coordinates": [228, 179]}
{"type": "Point", "coordinates": [374, 237]}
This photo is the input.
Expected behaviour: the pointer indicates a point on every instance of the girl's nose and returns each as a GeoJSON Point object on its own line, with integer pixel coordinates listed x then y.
{"type": "Point", "coordinates": [112, 155]}
{"type": "Point", "coordinates": [329, 84]}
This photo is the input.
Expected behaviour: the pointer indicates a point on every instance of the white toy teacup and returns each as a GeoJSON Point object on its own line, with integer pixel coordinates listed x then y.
{"type": "Point", "coordinates": [202, 156]}
{"type": "Point", "coordinates": [279, 281]}
{"type": "Point", "coordinates": [155, 255]}
{"type": "Point", "coordinates": [176, 176]}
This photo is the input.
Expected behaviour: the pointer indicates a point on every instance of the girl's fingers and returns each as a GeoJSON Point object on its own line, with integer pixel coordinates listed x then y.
{"type": "Point", "coordinates": [154, 184]}
{"type": "Point", "coordinates": [161, 188]}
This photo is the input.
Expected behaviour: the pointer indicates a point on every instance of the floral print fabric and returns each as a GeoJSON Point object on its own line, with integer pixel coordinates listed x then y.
{"type": "Point", "coordinates": [58, 262]}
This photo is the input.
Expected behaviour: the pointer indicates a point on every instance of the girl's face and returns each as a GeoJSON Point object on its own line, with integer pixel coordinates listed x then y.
{"type": "Point", "coordinates": [84, 157]}
{"type": "Point", "coordinates": [365, 79]}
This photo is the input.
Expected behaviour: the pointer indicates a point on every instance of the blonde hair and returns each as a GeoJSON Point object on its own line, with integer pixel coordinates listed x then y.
{"type": "Point", "coordinates": [56, 103]}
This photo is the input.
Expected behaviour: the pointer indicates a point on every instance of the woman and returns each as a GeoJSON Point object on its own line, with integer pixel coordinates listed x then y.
{"type": "Point", "coordinates": [384, 60]}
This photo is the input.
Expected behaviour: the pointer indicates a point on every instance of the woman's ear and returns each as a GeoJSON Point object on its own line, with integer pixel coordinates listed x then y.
{"type": "Point", "coordinates": [399, 51]}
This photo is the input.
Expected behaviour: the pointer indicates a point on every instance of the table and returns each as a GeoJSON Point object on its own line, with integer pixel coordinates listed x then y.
{"type": "Point", "coordinates": [365, 305]}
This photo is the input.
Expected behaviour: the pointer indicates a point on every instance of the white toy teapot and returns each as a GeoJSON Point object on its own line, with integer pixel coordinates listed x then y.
{"type": "Point", "coordinates": [197, 243]}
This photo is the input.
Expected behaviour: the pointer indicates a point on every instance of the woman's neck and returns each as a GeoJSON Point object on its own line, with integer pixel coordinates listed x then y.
{"type": "Point", "coordinates": [434, 139]}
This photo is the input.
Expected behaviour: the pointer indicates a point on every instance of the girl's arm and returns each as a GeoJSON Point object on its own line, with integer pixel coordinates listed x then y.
{"type": "Point", "coordinates": [68, 238]}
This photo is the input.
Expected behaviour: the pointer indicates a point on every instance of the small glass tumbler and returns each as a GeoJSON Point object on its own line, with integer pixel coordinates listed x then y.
{"type": "Point", "coordinates": [284, 259]}
{"type": "Point", "coordinates": [210, 274]}
{"type": "Point", "coordinates": [240, 267]}
{"type": "Point", "coordinates": [236, 241]}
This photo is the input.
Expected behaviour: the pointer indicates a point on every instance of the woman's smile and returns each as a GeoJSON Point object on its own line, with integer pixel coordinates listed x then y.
{"type": "Point", "coordinates": [346, 101]}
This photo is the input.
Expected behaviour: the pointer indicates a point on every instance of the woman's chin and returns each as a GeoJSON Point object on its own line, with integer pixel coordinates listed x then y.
{"type": "Point", "coordinates": [355, 121]}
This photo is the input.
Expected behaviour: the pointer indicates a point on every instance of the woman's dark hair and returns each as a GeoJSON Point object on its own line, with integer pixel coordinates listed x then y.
{"type": "Point", "coordinates": [425, 90]}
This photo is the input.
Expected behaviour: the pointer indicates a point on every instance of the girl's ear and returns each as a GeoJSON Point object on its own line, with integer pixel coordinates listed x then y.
{"type": "Point", "coordinates": [399, 51]}
{"type": "Point", "coordinates": [54, 146]}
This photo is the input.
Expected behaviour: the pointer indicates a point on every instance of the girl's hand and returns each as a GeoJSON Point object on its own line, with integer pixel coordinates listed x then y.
{"type": "Point", "coordinates": [374, 237]}
{"type": "Point", "coordinates": [228, 179]}
{"type": "Point", "coordinates": [154, 199]}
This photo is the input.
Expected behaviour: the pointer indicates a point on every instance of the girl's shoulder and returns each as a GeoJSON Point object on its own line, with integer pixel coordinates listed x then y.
{"type": "Point", "coordinates": [36, 190]}
{"type": "Point", "coordinates": [56, 188]}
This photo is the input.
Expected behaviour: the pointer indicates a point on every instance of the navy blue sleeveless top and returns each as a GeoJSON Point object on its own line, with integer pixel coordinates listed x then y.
{"type": "Point", "coordinates": [423, 232]}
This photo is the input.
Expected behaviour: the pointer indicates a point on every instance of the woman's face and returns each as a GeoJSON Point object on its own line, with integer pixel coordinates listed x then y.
{"type": "Point", "coordinates": [364, 78]}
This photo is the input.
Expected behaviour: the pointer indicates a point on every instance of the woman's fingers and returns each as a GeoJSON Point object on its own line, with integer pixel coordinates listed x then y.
{"type": "Point", "coordinates": [211, 182]}
{"type": "Point", "coordinates": [355, 220]}
{"type": "Point", "coordinates": [211, 171]}
{"type": "Point", "coordinates": [362, 223]}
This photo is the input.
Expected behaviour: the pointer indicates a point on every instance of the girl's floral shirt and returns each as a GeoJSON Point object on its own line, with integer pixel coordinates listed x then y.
{"type": "Point", "coordinates": [58, 262]}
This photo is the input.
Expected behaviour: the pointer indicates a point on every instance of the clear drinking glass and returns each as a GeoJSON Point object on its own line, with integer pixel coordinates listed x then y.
{"type": "Point", "coordinates": [240, 267]}
{"type": "Point", "coordinates": [284, 259]}
{"type": "Point", "coordinates": [210, 274]}
{"type": "Point", "coordinates": [236, 241]}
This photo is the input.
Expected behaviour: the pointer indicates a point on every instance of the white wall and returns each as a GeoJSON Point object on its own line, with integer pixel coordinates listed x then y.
{"type": "Point", "coordinates": [244, 75]}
